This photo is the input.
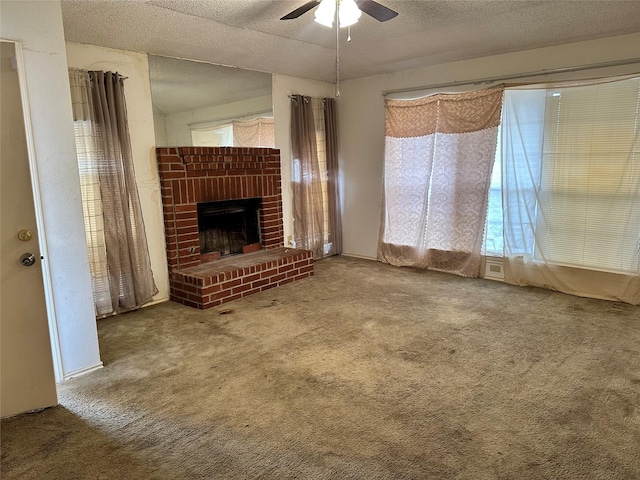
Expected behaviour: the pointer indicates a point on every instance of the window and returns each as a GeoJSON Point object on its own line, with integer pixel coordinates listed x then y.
{"type": "Point", "coordinates": [118, 254]}
{"type": "Point", "coordinates": [321, 147]}
{"type": "Point", "coordinates": [221, 135]}
{"type": "Point", "coordinates": [257, 132]}
{"type": "Point", "coordinates": [93, 215]}
{"type": "Point", "coordinates": [570, 166]}
{"type": "Point", "coordinates": [439, 152]}
{"type": "Point", "coordinates": [493, 234]}
{"type": "Point", "coordinates": [322, 202]}
{"type": "Point", "coordinates": [316, 205]}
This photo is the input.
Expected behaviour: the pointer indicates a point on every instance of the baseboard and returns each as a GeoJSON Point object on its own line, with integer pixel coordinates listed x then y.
{"type": "Point", "coordinates": [82, 371]}
{"type": "Point", "coordinates": [149, 304]}
{"type": "Point", "coordinates": [156, 302]}
{"type": "Point", "coordinates": [363, 257]}
{"type": "Point", "coordinates": [492, 266]}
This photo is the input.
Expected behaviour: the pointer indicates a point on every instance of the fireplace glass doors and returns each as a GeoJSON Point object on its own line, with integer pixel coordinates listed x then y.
{"type": "Point", "coordinates": [229, 227]}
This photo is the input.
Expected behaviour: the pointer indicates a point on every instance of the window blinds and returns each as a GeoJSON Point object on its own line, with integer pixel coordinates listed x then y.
{"type": "Point", "coordinates": [589, 212]}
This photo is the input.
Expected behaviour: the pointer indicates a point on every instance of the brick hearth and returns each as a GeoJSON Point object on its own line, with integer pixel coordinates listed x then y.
{"type": "Point", "coordinates": [230, 278]}
{"type": "Point", "coordinates": [189, 175]}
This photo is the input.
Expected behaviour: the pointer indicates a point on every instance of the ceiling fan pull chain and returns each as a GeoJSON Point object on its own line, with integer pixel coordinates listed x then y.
{"type": "Point", "coordinates": [349, 33]}
{"type": "Point", "coordinates": [337, 52]}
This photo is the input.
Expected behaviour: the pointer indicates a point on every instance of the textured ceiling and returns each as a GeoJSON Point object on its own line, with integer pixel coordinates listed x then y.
{"type": "Point", "coordinates": [248, 34]}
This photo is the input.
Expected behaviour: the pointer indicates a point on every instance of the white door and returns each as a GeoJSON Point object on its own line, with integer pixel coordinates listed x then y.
{"type": "Point", "coordinates": [27, 380]}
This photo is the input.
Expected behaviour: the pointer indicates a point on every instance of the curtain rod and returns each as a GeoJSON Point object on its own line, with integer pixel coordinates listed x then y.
{"type": "Point", "coordinates": [324, 99]}
{"type": "Point", "coordinates": [578, 68]}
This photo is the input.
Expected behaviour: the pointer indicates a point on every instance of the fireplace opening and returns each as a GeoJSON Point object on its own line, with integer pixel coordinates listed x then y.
{"type": "Point", "coordinates": [229, 227]}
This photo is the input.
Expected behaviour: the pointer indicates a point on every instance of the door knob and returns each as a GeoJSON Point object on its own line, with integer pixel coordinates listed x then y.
{"type": "Point", "coordinates": [27, 259]}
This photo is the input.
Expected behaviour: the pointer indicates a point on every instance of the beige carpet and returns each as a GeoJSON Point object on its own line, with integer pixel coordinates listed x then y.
{"type": "Point", "coordinates": [364, 372]}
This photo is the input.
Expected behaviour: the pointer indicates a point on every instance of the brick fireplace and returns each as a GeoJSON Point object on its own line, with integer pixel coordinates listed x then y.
{"type": "Point", "coordinates": [193, 175]}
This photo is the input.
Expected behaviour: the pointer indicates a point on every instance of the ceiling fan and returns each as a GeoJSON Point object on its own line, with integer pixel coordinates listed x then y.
{"type": "Point", "coordinates": [370, 7]}
{"type": "Point", "coordinates": [345, 13]}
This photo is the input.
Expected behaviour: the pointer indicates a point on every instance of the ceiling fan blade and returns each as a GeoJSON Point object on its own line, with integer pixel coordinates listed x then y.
{"type": "Point", "coordinates": [301, 10]}
{"type": "Point", "coordinates": [377, 11]}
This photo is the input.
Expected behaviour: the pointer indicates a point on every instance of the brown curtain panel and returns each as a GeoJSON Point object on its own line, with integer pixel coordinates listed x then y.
{"type": "Point", "coordinates": [308, 212]}
{"type": "Point", "coordinates": [130, 277]}
{"type": "Point", "coordinates": [333, 190]}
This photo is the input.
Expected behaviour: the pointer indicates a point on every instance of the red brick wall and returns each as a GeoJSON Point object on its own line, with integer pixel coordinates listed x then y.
{"type": "Point", "coordinates": [189, 175]}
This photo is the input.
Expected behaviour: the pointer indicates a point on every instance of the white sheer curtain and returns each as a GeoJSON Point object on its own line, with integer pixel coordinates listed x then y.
{"type": "Point", "coordinates": [571, 188]}
{"type": "Point", "coordinates": [258, 132]}
{"type": "Point", "coordinates": [438, 158]}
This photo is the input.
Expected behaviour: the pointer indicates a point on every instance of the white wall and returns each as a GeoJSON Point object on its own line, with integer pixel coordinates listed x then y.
{"type": "Point", "coordinates": [140, 115]}
{"type": "Point", "coordinates": [177, 125]}
{"type": "Point", "coordinates": [283, 86]}
{"type": "Point", "coordinates": [361, 118]}
{"type": "Point", "coordinates": [38, 26]}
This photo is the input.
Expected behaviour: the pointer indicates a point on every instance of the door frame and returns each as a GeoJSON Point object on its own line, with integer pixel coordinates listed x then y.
{"type": "Point", "coordinates": [52, 318]}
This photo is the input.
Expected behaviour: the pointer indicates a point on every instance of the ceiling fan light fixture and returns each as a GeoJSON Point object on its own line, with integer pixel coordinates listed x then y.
{"type": "Point", "coordinates": [348, 13]}
{"type": "Point", "coordinates": [326, 12]}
